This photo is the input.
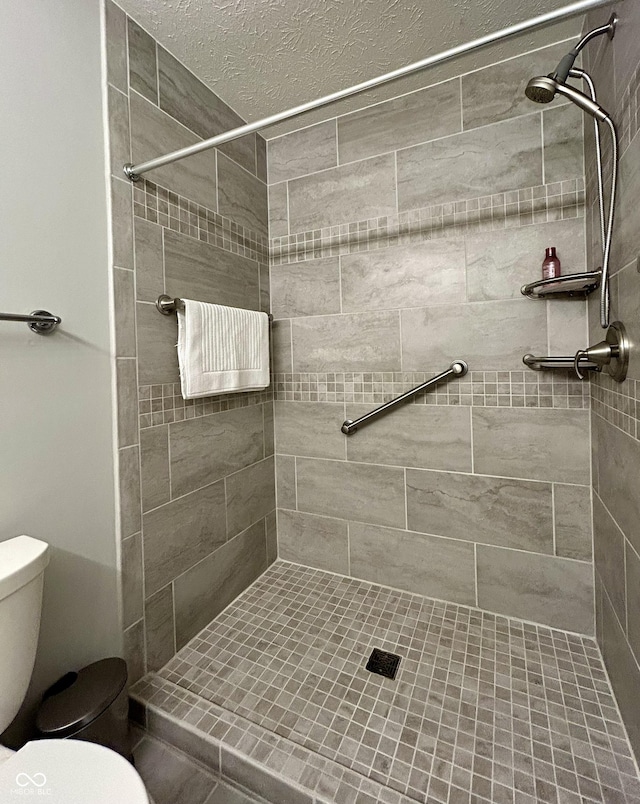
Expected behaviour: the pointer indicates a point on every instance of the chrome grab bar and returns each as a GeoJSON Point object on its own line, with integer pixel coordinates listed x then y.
{"type": "Point", "coordinates": [39, 321]}
{"type": "Point", "coordinates": [457, 369]}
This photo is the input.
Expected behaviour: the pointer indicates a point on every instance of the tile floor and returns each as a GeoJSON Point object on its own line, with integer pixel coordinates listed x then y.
{"type": "Point", "coordinates": [483, 708]}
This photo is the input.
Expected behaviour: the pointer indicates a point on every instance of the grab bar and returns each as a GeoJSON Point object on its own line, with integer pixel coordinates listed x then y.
{"type": "Point", "coordinates": [167, 305]}
{"type": "Point", "coordinates": [549, 362]}
{"type": "Point", "coordinates": [457, 369]}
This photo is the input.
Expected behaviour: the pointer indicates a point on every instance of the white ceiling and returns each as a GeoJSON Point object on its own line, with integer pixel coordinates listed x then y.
{"type": "Point", "coordinates": [264, 56]}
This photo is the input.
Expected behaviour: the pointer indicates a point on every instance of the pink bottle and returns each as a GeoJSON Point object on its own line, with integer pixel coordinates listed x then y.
{"type": "Point", "coordinates": [550, 264]}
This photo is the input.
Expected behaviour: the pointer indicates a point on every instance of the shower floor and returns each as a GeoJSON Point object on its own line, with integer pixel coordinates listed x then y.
{"type": "Point", "coordinates": [483, 708]}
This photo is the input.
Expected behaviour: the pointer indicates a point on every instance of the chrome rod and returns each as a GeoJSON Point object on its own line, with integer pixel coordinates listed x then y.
{"type": "Point", "coordinates": [549, 362]}
{"type": "Point", "coordinates": [39, 321]}
{"type": "Point", "coordinates": [133, 172]}
{"type": "Point", "coordinates": [457, 369]}
{"type": "Point", "coordinates": [167, 305]}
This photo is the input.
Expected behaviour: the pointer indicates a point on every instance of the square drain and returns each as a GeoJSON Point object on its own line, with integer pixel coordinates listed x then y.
{"type": "Point", "coordinates": [383, 663]}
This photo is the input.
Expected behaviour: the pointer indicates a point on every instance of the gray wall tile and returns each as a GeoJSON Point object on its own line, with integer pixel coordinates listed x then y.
{"type": "Point", "coordinates": [194, 105]}
{"type": "Point", "coordinates": [211, 585]}
{"type": "Point", "coordinates": [181, 533]}
{"type": "Point", "coordinates": [608, 555]}
{"type": "Point", "coordinates": [488, 160]}
{"type": "Point", "coordinates": [241, 196]}
{"type": "Point", "coordinates": [360, 342]}
{"type": "Point", "coordinates": [311, 429]}
{"type": "Point", "coordinates": [143, 71]}
{"type": "Point", "coordinates": [245, 772]}
{"type": "Point", "coordinates": [554, 591]}
{"type": "Point", "coordinates": [567, 326]}
{"type": "Point", "coordinates": [157, 338]}
{"type": "Point", "coordinates": [357, 191]}
{"type": "Point", "coordinates": [149, 260]}
{"type": "Point", "coordinates": [315, 541]}
{"type": "Point", "coordinates": [206, 449]}
{"type": "Point", "coordinates": [281, 346]}
{"type": "Point", "coordinates": [301, 152]}
{"type": "Point", "coordinates": [305, 288]}
{"type": "Point", "coordinates": [424, 115]}
{"type": "Point", "coordinates": [632, 586]}
{"type": "Point", "coordinates": [627, 310]}
{"type": "Point", "coordinates": [278, 210]}
{"type": "Point", "coordinates": [119, 138]}
{"type": "Point", "coordinates": [127, 394]}
{"type": "Point", "coordinates": [131, 563]}
{"type": "Point", "coordinates": [269, 434]}
{"type": "Point", "coordinates": [498, 266]}
{"type": "Point", "coordinates": [170, 777]}
{"type": "Point", "coordinates": [116, 46]}
{"type": "Point", "coordinates": [251, 495]}
{"type": "Point", "coordinates": [572, 507]}
{"type": "Point", "coordinates": [271, 527]}
{"type": "Point", "coordinates": [153, 133]}
{"type": "Point", "coordinates": [426, 565]}
{"type": "Point", "coordinates": [261, 158]}
{"type": "Point", "coordinates": [432, 272]}
{"type": "Point", "coordinates": [423, 436]}
{"type": "Point", "coordinates": [625, 244]}
{"type": "Point", "coordinates": [562, 129]}
{"type": "Point", "coordinates": [129, 490]}
{"type": "Point", "coordinates": [285, 481]}
{"type": "Point", "coordinates": [488, 336]}
{"type": "Point", "coordinates": [122, 223]}
{"type": "Point", "coordinates": [491, 510]}
{"type": "Point", "coordinates": [159, 626]}
{"type": "Point", "coordinates": [124, 312]}
{"type": "Point", "coordinates": [134, 652]}
{"type": "Point", "coordinates": [154, 460]}
{"type": "Point", "coordinates": [535, 443]}
{"type": "Point", "coordinates": [198, 270]}
{"type": "Point", "coordinates": [359, 492]}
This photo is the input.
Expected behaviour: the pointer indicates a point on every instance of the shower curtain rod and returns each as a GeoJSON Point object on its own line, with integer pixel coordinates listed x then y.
{"type": "Point", "coordinates": [134, 172]}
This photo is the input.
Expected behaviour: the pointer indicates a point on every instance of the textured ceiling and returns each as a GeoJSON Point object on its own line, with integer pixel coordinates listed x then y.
{"type": "Point", "coordinates": [264, 56]}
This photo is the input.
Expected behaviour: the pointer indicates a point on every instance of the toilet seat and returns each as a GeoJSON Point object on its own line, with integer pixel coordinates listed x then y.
{"type": "Point", "coordinates": [70, 772]}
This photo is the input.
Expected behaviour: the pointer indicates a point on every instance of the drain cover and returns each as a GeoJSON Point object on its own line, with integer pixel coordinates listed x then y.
{"type": "Point", "coordinates": [383, 663]}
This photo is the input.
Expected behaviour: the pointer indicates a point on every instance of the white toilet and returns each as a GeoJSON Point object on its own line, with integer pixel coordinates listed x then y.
{"type": "Point", "coordinates": [65, 771]}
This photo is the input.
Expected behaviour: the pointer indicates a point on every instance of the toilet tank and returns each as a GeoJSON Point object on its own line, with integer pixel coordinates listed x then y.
{"type": "Point", "coordinates": [22, 564]}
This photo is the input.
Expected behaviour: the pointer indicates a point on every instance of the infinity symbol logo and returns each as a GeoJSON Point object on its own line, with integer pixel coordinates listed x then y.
{"type": "Point", "coordinates": [37, 780]}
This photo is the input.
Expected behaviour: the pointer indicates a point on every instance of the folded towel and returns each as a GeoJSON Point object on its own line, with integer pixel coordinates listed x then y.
{"type": "Point", "coordinates": [221, 350]}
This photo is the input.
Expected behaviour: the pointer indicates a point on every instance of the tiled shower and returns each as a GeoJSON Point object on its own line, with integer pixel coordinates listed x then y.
{"type": "Point", "coordinates": [264, 553]}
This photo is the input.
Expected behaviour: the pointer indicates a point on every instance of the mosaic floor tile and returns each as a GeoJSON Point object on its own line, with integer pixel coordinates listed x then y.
{"type": "Point", "coordinates": [483, 708]}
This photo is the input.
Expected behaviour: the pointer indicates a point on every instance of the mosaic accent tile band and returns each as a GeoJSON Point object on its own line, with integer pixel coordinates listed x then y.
{"type": "Point", "coordinates": [484, 708]}
{"type": "Point", "coordinates": [617, 403]}
{"type": "Point", "coordinates": [162, 404]}
{"type": "Point", "coordinates": [159, 205]}
{"type": "Point", "coordinates": [550, 202]}
{"type": "Point", "coordinates": [511, 389]}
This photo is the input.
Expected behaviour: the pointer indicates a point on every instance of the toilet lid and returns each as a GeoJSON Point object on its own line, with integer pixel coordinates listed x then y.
{"type": "Point", "coordinates": [70, 772]}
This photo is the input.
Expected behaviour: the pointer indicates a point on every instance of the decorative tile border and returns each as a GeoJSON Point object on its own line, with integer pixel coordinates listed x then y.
{"type": "Point", "coordinates": [511, 389]}
{"type": "Point", "coordinates": [162, 404]}
{"type": "Point", "coordinates": [550, 202]}
{"type": "Point", "coordinates": [159, 205]}
{"type": "Point", "coordinates": [617, 403]}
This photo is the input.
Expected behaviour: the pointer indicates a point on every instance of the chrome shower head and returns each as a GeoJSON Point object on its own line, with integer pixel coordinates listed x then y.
{"type": "Point", "coordinates": [543, 89]}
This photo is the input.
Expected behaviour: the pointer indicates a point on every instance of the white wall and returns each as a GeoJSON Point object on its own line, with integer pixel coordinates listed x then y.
{"type": "Point", "coordinates": [56, 452]}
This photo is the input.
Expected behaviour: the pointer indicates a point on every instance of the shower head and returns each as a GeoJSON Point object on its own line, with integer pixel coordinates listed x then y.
{"type": "Point", "coordinates": [543, 89]}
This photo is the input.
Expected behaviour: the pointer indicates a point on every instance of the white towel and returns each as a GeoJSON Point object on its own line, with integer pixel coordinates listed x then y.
{"type": "Point", "coordinates": [221, 350]}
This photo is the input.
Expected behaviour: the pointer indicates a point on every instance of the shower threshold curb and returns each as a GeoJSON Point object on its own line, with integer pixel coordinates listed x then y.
{"type": "Point", "coordinates": [246, 754]}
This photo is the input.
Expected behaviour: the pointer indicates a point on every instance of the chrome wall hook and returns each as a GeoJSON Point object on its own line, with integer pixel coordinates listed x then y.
{"type": "Point", "coordinates": [611, 354]}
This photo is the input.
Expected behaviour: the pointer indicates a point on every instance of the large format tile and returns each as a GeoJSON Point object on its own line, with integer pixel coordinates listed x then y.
{"type": "Point", "coordinates": [432, 272]}
{"type": "Point", "coordinates": [129, 490]}
{"type": "Point", "coordinates": [157, 338]}
{"type": "Point", "coordinates": [131, 570]}
{"type": "Point", "coordinates": [159, 628]}
{"type": "Point", "coordinates": [201, 271]}
{"type": "Point", "coordinates": [311, 429]}
{"type": "Point", "coordinates": [492, 159]}
{"type": "Point", "coordinates": [498, 266]}
{"type": "Point", "coordinates": [351, 193]}
{"type": "Point", "coordinates": [122, 223]}
{"type": "Point", "coordinates": [572, 510]}
{"type": "Point", "coordinates": [127, 399]}
{"type": "Point", "coordinates": [202, 592]}
{"type": "Point", "coordinates": [251, 495]}
{"type": "Point", "coordinates": [278, 210]}
{"type": "Point", "coordinates": [563, 143]}
{"type": "Point", "coordinates": [315, 541]}
{"type": "Point", "coordinates": [181, 533]}
{"type": "Point", "coordinates": [154, 133]}
{"type": "Point", "coordinates": [116, 45]}
{"type": "Point", "coordinates": [632, 587]}
{"type": "Point", "coordinates": [133, 651]}
{"type": "Point", "coordinates": [306, 151]}
{"type": "Point", "coordinates": [124, 312]}
{"type": "Point", "coordinates": [423, 436]}
{"type": "Point", "coordinates": [171, 777]}
{"type": "Point", "coordinates": [281, 346]}
{"type": "Point", "coordinates": [149, 260]}
{"type": "Point", "coordinates": [285, 481]}
{"type": "Point", "coordinates": [507, 513]}
{"type": "Point", "coordinates": [119, 136]}
{"type": "Point", "coordinates": [143, 70]}
{"type": "Point", "coordinates": [351, 491]}
{"type": "Point", "coordinates": [625, 244]}
{"type": "Point", "coordinates": [426, 565]}
{"type": "Point", "coordinates": [242, 196]}
{"type": "Point", "coordinates": [420, 116]}
{"type": "Point", "coordinates": [305, 288]}
{"type": "Point", "coordinates": [609, 556]}
{"type": "Point", "coordinates": [358, 342]}
{"type": "Point", "coordinates": [490, 337]}
{"type": "Point", "coordinates": [532, 443]}
{"type": "Point", "coordinates": [209, 448]}
{"type": "Point", "coordinates": [194, 105]}
{"type": "Point", "coordinates": [154, 466]}
{"type": "Point", "coordinates": [554, 591]}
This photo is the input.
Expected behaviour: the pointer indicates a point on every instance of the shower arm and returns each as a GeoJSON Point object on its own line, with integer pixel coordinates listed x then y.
{"type": "Point", "coordinates": [133, 172]}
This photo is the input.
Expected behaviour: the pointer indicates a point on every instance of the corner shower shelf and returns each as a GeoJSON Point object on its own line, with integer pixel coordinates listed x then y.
{"type": "Point", "coordinates": [570, 285]}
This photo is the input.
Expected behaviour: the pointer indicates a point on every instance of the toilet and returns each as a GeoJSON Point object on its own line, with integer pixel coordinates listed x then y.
{"type": "Point", "coordinates": [69, 771]}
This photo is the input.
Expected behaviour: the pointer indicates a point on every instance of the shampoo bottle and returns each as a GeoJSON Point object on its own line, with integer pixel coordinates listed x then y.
{"type": "Point", "coordinates": [550, 264]}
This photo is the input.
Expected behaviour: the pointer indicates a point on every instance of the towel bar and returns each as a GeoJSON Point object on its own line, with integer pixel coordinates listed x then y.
{"type": "Point", "coordinates": [39, 321]}
{"type": "Point", "coordinates": [167, 305]}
